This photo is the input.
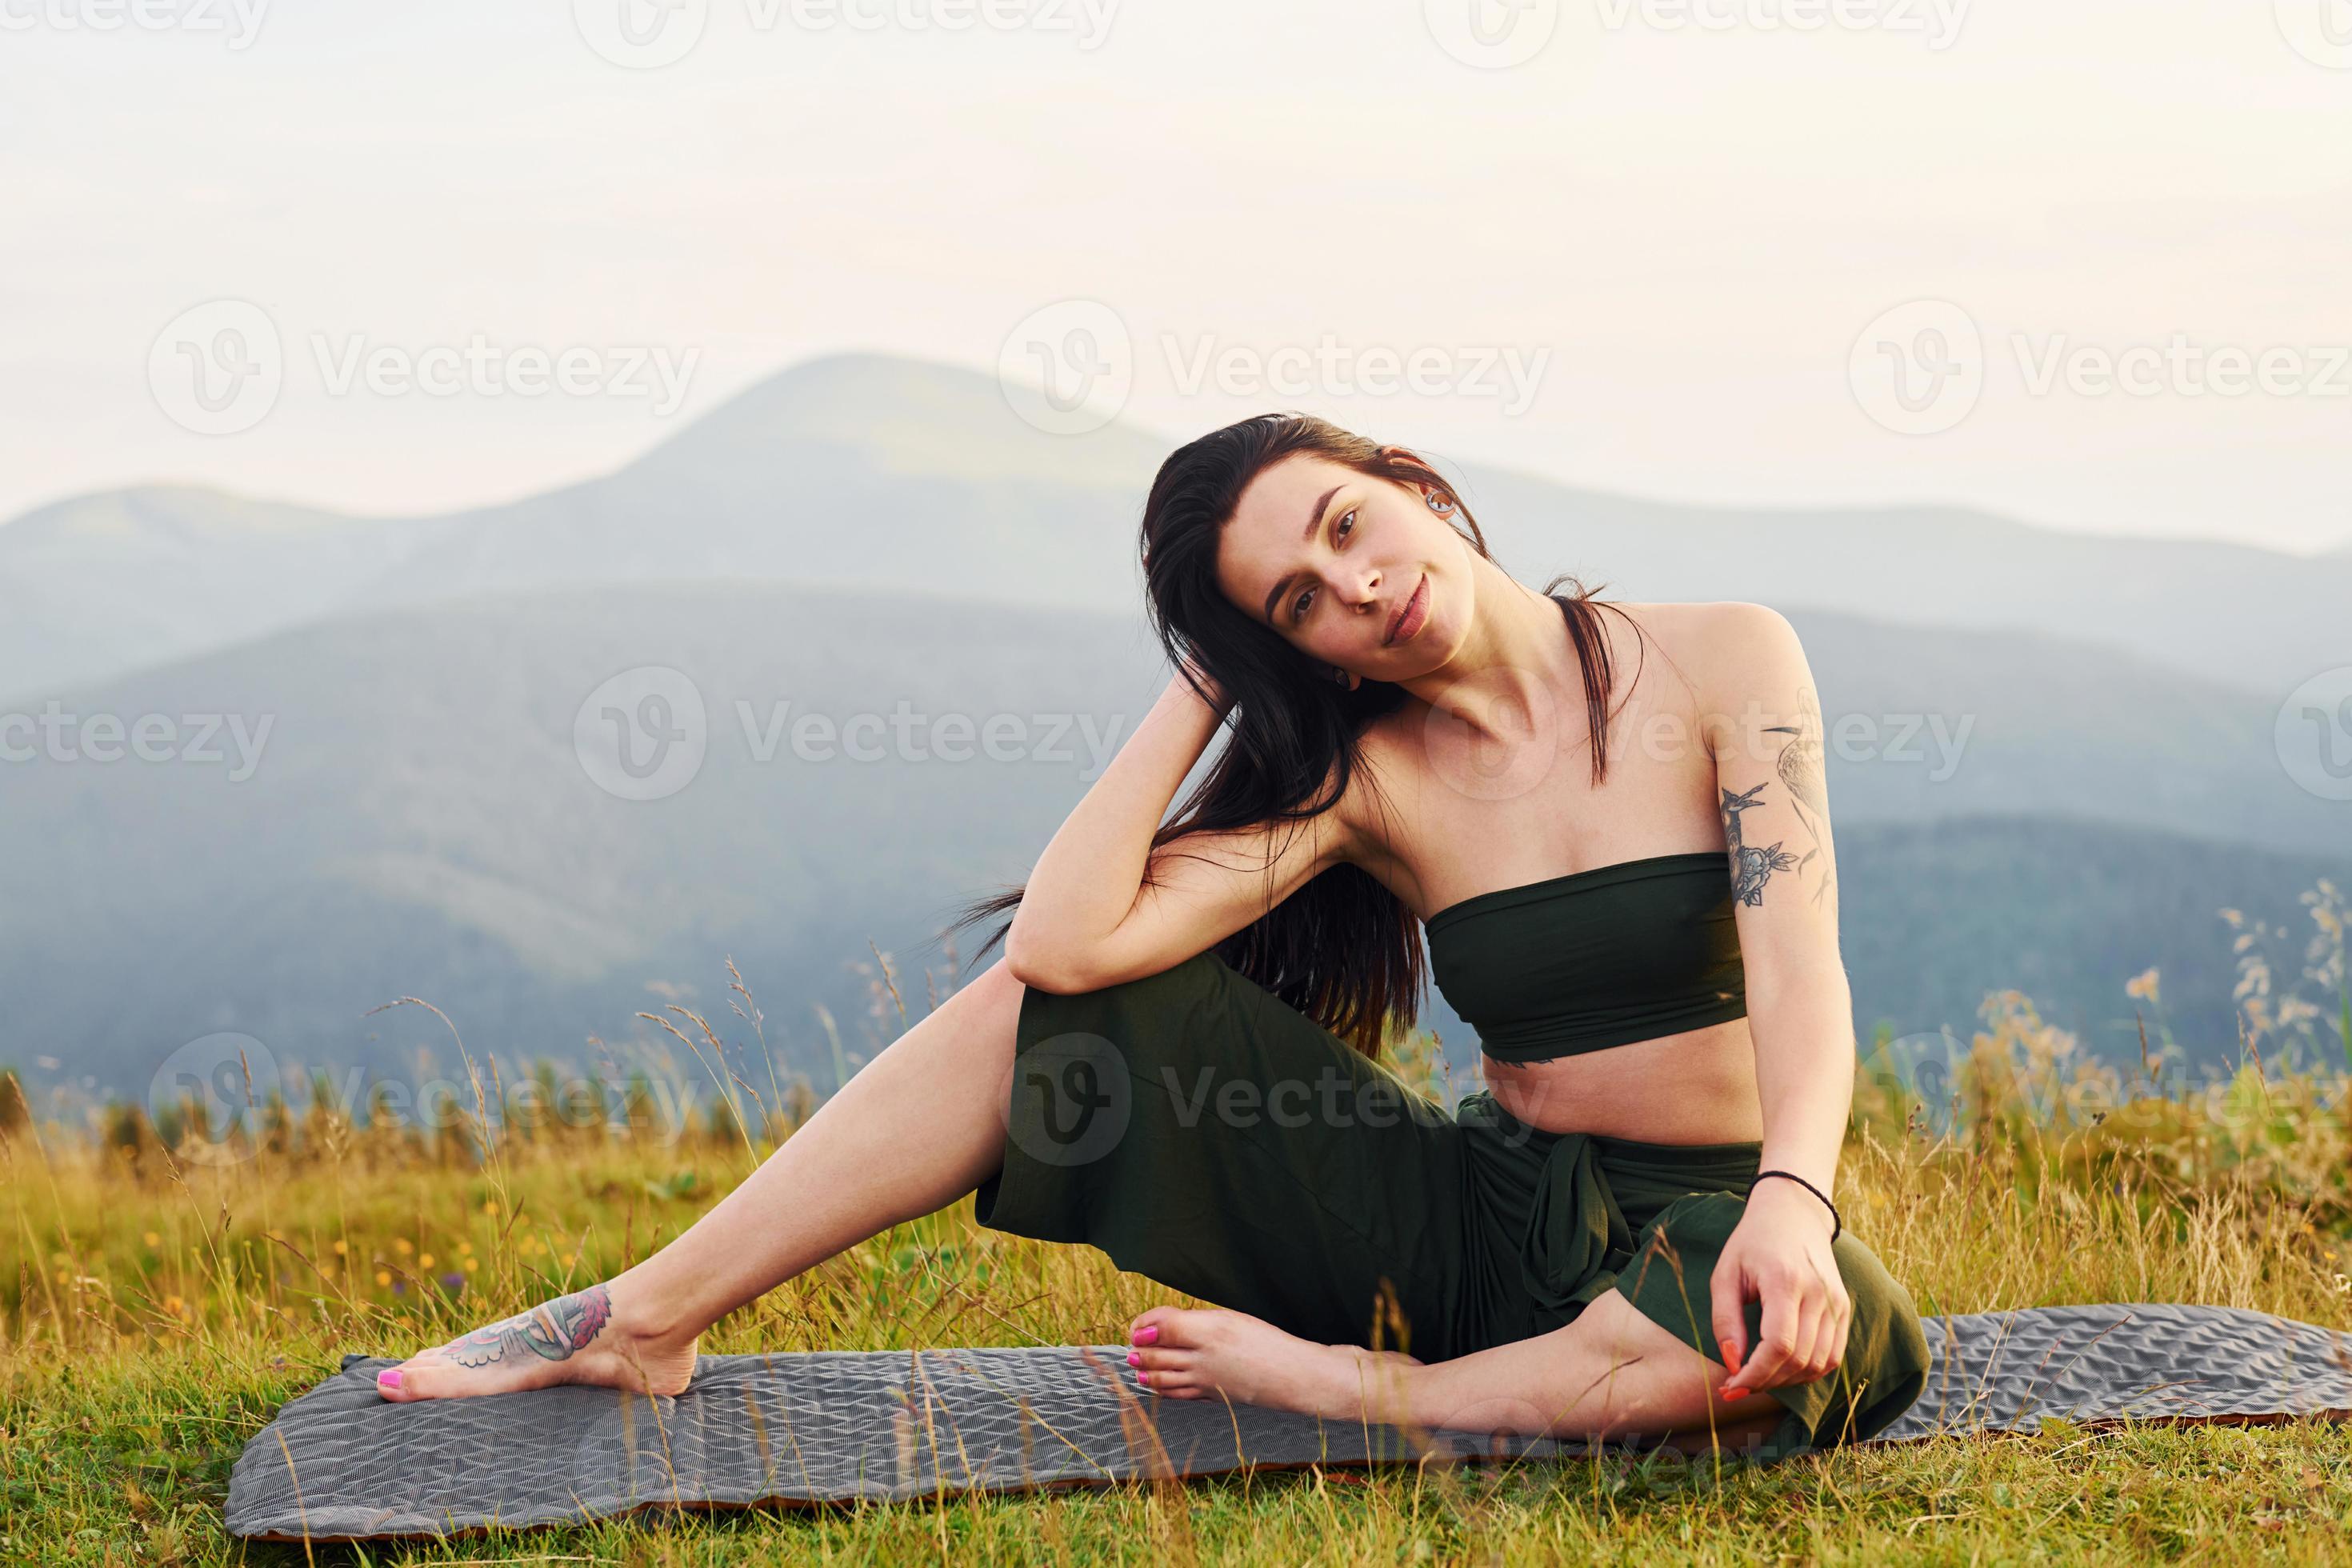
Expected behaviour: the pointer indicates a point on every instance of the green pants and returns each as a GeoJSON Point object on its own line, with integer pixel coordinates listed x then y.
{"type": "Point", "coordinates": [1202, 1132]}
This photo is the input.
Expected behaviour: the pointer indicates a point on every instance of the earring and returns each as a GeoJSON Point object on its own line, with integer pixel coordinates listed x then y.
{"type": "Point", "coordinates": [1440, 504]}
{"type": "Point", "coordinates": [1339, 674]}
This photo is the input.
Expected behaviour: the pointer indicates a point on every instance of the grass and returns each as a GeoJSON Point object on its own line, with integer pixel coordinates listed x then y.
{"type": "Point", "coordinates": [155, 1311]}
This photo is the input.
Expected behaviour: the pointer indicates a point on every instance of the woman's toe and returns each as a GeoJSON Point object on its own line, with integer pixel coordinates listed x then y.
{"type": "Point", "coordinates": [1149, 1328]}
{"type": "Point", "coordinates": [1178, 1328]}
{"type": "Point", "coordinates": [419, 1377]}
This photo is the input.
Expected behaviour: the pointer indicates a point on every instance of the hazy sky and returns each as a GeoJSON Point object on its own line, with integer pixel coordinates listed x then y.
{"type": "Point", "coordinates": [1681, 234]}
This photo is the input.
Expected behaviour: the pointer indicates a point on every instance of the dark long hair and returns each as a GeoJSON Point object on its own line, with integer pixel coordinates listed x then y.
{"type": "Point", "coordinates": [1343, 949]}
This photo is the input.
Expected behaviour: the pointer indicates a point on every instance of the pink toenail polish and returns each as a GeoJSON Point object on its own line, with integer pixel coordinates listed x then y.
{"type": "Point", "coordinates": [1133, 1359]}
{"type": "Point", "coordinates": [389, 1379]}
{"type": "Point", "coordinates": [1144, 1336]}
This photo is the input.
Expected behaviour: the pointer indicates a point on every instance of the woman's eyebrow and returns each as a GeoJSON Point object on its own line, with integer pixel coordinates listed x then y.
{"type": "Point", "coordinates": [1314, 520]}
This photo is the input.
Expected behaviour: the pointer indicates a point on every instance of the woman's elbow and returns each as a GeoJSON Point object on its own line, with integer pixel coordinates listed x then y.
{"type": "Point", "coordinates": [1057, 973]}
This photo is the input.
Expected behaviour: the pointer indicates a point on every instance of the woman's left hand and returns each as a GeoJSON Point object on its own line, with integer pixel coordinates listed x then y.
{"type": "Point", "coordinates": [1779, 1254]}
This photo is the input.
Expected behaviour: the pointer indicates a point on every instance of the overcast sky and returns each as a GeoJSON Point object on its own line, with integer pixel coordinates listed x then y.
{"type": "Point", "coordinates": [1686, 238]}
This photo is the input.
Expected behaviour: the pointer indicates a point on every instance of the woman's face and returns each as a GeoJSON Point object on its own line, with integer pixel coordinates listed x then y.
{"type": "Point", "coordinates": [1351, 570]}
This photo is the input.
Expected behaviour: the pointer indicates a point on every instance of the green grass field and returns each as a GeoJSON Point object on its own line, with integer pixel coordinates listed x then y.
{"type": "Point", "coordinates": [154, 1312]}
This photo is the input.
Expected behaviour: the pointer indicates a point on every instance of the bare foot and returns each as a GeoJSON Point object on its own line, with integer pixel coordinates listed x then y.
{"type": "Point", "coordinates": [1200, 1354]}
{"type": "Point", "coordinates": [590, 1336]}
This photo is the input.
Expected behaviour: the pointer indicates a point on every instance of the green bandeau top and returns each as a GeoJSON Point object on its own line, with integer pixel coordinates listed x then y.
{"type": "Point", "coordinates": [1605, 957]}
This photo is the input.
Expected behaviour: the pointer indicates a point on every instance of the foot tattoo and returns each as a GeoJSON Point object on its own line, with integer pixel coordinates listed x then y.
{"type": "Point", "coordinates": [552, 1330]}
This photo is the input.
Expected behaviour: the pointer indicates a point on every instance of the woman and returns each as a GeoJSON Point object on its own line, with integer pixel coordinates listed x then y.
{"type": "Point", "coordinates": [1629, 1234]}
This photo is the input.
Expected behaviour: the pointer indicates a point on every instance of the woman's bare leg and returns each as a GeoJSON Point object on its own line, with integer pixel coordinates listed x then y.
{"type": "Point", "coordinates": [1611, 1374]}
{"type": "Point", "coordinates": [919, 1127]}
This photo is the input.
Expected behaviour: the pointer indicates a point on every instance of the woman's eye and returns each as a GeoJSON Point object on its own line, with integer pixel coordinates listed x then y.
{"type": "Point", "coordinates": [1346, 526]}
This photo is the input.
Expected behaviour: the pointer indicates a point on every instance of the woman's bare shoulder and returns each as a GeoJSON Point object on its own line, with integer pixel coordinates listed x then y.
{"type": "Point", "coordinates": [1698, 636]}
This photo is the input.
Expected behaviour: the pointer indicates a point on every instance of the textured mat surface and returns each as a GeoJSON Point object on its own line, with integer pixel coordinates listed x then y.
{"type": "Point", "coordinates": [339, 1462]}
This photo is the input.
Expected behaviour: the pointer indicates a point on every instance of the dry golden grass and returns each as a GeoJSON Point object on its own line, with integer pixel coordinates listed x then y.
{"type": "Point", "coordinates": [154, 1311]}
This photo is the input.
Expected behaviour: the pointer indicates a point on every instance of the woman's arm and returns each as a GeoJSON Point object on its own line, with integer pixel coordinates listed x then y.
{"type": "Point", "coordinates": [1765, 732]}
{"type": "Point", "coordinates": [1086, 918]}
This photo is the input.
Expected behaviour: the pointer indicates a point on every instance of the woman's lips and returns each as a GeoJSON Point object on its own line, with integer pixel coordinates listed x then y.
{"type": "Point", "coordinates": [1415, 612]}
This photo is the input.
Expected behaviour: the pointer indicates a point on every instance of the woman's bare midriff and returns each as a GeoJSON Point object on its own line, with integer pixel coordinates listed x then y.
{"type": "Point", "coordinates": [1698, 1086]}
{"type": "Point", "coordinates": [1445, 844]}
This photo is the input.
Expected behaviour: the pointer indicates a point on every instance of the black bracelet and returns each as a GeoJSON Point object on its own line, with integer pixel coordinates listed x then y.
{"type": "Point", "coordinates": [1837, 1225]}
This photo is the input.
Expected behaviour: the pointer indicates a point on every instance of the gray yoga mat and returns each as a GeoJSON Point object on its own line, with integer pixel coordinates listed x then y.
{"type": "Point", "coordinates": [340, 1463]}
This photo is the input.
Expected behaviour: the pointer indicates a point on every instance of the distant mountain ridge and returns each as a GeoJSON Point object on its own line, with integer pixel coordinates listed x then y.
{"type": "Point", "coordinates": [866, 470]}
{"type": "Point", "coordinates": [421, 823]}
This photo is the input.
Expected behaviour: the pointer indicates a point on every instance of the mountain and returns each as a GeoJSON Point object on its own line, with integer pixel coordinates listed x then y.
{"type": "Point", "coordinates": [864, 470]}
{"type": "Point", "coordinates": [407, 802]}
{"type": "Point", "coordinates": [1935, 915]}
